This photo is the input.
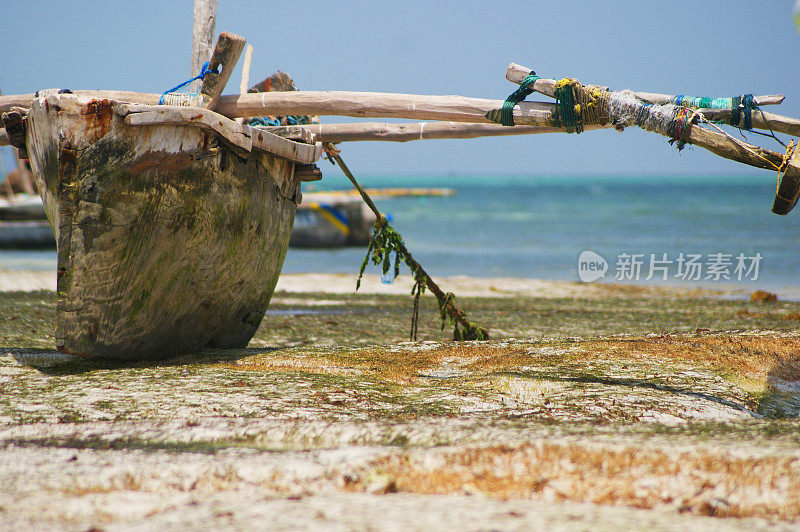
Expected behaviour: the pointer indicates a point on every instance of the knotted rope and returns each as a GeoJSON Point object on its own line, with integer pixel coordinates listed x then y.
{"type": "Point", "coordinates": [577, 105]}
{"type": "Point", "coordinates": [741, 107]}
{"type": "Point", "coordinates": [679, 124]}
{"type": "Point", "coordinates": [742, 112]}
{"type": "Point", "coordinates": [524, 90]}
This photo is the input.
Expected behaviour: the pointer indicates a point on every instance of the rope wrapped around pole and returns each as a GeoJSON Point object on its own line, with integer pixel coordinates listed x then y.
{"type": "Point", "coordinates": [386, 240]}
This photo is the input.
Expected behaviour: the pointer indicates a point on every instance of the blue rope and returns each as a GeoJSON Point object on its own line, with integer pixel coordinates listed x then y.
{"type": "Point", "coordinates": [263, 121]}
{"type": "Point", "coordinates": [291, 120]}
{"type": "Point", "coordinates": [203, 71]}
{"type": "Point", "coordinates": [642, 113]}
{"type": "Point", "coordinates": [747, 115]}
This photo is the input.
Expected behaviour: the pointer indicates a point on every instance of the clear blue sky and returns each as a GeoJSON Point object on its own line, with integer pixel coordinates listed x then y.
{"type": "Point", "coordinates": [716, 48]}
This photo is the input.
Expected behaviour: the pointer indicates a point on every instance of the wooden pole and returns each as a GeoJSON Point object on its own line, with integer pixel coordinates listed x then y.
{"type": "Point", "coordinates": [764, 121]}
{"type": "Point", "coordinates": [244, 84]}
{"type": "Point", "coordinates": [248, 57]}
{"type": "Point", "coordinates": [226, 53]}
{"type": "Point", "coordinates": [338, 103]}
{"type": "Point", "coordinates": [380, 105]}
{"type": "Point", "coordinates": [516, 73]}
{"type": "Point", "coordinates": [445, 108]}
{"type": "Point", "coordinates": [204, 24]}
{"type": "Point", "coordinates": [376, 131]}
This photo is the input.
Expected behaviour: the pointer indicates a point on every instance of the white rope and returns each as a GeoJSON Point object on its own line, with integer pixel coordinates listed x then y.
{"type": "Point", "coordinates": [177, 98]}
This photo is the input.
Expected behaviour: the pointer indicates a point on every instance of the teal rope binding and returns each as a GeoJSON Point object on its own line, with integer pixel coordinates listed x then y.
{"type": "Point", "coordinates": [507, 111]}
{"type": "Point", "coordinates": [291, 120]}
{"type": "Point", "coordinates": [203, 71]}
{"type": "Point", "coordinates": [742, 111]}
{"type": "Point", "coordinates": [741, 107]}
{"type": "Point", "coordinates": [702, 103]}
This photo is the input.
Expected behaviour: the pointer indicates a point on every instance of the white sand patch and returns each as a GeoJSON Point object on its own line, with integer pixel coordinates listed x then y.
{"type": "Point", "coordinates": [463, 286]}
{"type": "Point", "coordinates": [27, 281]}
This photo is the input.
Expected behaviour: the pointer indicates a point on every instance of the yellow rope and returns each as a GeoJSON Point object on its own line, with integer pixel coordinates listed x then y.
{"type": "Point", "coordinates": [579, 105]}
{"type": "Point", "coordinates": [737, 141]}
{"type": "Point", "coordinates": [785, 163]}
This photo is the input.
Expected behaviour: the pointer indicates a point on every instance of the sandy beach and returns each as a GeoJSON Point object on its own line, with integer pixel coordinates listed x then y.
{"type": "Point", "coordinates": [344, 283]}
{"type": "Point", "coordinates": [592, 406]}
{"type": "Point", "coordinates": [152, 379]}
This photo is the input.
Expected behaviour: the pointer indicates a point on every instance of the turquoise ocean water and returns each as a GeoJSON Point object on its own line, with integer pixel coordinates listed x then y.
{"type": "Point", "coordinates": [537, 226]}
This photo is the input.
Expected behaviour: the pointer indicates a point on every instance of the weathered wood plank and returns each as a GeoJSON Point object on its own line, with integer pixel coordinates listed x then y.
{"type": "Point", "coordinates": [299, 133]}
{"type": "Point", "coordinates": [24, 100]}
{"type": "Point", "coordinates": [226, 53]}
{"type": "Point", "coordinates": [307, 172]}
{"type": "Point", "coordinates": [176, 115]}
{"type": "Point", "coordinates": [242, 136]}
{"type": "Point", "coordinates": [452, 108]}
{"type": "Point", "coordinates": [7, 102]}
{"type": "Point", "coordinates": [204, 24]}
{"type": "Point", "coordinates": [376, 131]}
{"type": "Point", "coordinates": [713, 141]}
{"type": "Point", "coordinates": [295, 151]}
{"type": "Point", "coordinates": [457, 109]}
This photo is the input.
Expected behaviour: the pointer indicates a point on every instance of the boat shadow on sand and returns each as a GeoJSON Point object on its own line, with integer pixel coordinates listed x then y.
{"type": "Point", "coordinates": [781, 397]}
{"type": "Point", "coordinates": [52, 363]}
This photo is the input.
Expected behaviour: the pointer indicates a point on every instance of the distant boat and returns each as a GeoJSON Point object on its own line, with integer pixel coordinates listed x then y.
{"type": "Point", "coordinates": [23, 224]}
{"type": "Point", "coordinates": [340, 218]}
{"type": "Point", "coordinates": [325, 221]}
{"type": "Point", "coordinates": [21, 207]}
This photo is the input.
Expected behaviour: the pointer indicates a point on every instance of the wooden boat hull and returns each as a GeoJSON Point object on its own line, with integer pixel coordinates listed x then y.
{"type": "Point", "coordinates": [169, 241]}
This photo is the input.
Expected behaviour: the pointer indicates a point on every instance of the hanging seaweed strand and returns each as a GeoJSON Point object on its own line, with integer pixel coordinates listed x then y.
{"type": "Point", "coordinates": [384, 243]}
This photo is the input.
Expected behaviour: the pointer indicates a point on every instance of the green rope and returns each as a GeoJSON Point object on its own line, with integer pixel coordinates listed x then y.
{"type": "Point", "coordinates": [565, 109]}
{"type": "Point", "coordinates": [384, 242]}
{"type": "Point", "coordinates": [524, 90]}
{"type": "Point", "coordinates": [387, 250]}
